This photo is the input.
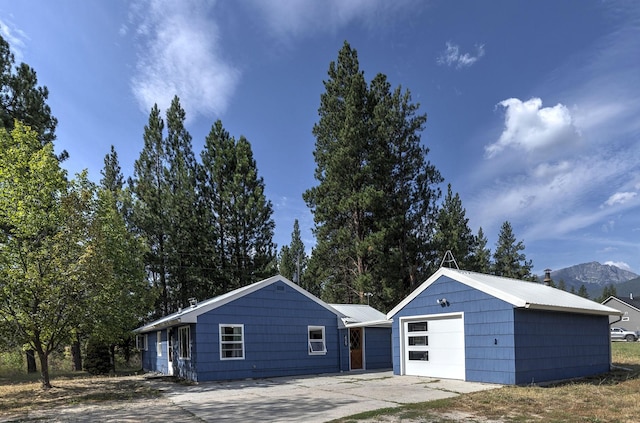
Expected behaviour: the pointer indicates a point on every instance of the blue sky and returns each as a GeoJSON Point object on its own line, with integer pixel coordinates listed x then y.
{"type": "Point", "coordinates": [533, 107]}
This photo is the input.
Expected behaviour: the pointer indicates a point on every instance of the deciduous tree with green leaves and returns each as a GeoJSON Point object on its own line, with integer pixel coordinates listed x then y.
{"type": "Point", "coordinates": [44, 223]}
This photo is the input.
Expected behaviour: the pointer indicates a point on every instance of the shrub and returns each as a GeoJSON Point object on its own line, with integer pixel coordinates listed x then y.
{"type": "Point", "coordinates": [98, 360]}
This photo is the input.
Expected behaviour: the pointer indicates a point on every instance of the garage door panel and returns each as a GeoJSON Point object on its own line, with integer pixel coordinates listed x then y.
{"type": "Point", "coordinates": [434, 346]}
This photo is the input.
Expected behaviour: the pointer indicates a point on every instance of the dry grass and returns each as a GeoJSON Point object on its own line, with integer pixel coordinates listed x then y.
{"type": "Point", "coordinates": [20, 397]}
{"type": "Point", "coordinates": [614, 397]}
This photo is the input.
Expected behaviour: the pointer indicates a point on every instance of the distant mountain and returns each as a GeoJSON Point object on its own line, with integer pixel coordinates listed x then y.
{"type": "Point", "coordinates": [594, 276]}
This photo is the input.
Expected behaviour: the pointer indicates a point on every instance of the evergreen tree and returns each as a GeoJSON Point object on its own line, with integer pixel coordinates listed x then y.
{"type": "Point", "coordinates": [562, 285]}
{"type": "Point", "coordinates": [480, 255]}
{"type": "Point", "coordinates": [186, 279]}
{"type": "Point", "coordinates": [293, 259]}
{"type": "Point", "coordinates": [375, 200]}
{"type": "Point", "coordinates": [583, 291]}
{"type": "Point", "coordinates": [452, 232]}
{"type": "Point", "coordinates": [238, 209]}
{"type": "Point", "coordinates": [608, 291]}
{"type": "Point", "coordinates": [22, 99]}
{"type": "Point", "coordinates": [508, 259]}
{"type": "Point", "coordinates": [151, 200]}
{"type": "Point", "coordinates": [112, 178]}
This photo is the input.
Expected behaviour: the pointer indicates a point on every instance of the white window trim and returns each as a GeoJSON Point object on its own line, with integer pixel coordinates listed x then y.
{"type": "Point", "coordinates": [181, 353]}
{"type": "Point", "coordinates": [144, 340]}
{"type": "Point", "coordinates": [324, 340]}
{"type": "Point", "coordinates": [159, 343]}
{"type": "Point", "coordinates": [221, 342]}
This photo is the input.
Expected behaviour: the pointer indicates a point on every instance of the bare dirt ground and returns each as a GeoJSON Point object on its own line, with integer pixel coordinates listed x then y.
{"type": "Point", "coordinates": [97, 399]}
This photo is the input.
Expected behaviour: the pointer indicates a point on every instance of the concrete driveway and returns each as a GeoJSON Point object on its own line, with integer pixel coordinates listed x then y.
{"type": "Point", "coordinates": [309, 398]}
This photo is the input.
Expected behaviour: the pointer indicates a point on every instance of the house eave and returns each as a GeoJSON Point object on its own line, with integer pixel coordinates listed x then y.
{"type": "Point", "coordinates": [376, 323]}
{"type": "Point", "coordinates": [548, 307]}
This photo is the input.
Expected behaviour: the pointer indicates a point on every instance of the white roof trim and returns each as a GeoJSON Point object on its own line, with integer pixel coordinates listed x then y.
{"type": "Point", "coordinates": [190, 314]}
{"type": "Point", "coordinates": [373, 323]}
{"type": "Point", "coordinates": [522, 297]}
{"type": "Point", "coordinates": [620, 300]}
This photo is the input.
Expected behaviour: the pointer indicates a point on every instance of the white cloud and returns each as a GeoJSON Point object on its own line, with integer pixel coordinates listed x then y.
{"type": "Point", "coordinates": [529, 126]}
{"type": "Point", "coordinates": [453, 57]}
{"type": "Point", "coordinates": [619, 264]}
{"type": "Point", "coordinates": [294, 18]}
{"type": "Point", "coordinates": [620, 198]}
{"type": "Point", "coordinates": [15, 37]}
{"type": "Point", "coordinates": [180, 54]}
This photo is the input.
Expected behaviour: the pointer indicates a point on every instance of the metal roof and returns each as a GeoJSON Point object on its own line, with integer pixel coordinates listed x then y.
{"type": "Point", "coordinates": [521, 294]}
{"type": "Point", "coordinates": [361, 315]}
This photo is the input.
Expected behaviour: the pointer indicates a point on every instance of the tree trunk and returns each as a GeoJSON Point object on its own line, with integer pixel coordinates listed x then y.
{"type": "Point", "coordinates": [112, 355]}
{"type": "Point", "coordinates": [31, 361]}
{"type": "Point", "coordinates": [44, 369]}
{"type": "Point", "coordinates": [76, 356]}
{"type": "Point", "coordinates": [126, 351]}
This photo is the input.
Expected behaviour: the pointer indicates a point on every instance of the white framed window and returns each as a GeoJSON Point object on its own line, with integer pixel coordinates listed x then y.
{"type": "Point", "coordinates": [142, 342]}
{"type": "Point", "coordinates": [159, 343]}
{"type": "Point", "coordinates": [231, 342]}
{"type": "Point", "coordinates": [316, 340]}
{"type": "Point", "coordinates": [184, 342]}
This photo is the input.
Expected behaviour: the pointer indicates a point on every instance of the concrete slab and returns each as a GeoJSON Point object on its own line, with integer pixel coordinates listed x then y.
{"type": "Point", "coordinates": [310, 398]}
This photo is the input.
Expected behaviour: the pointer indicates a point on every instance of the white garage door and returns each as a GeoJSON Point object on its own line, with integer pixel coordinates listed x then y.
{"type": "Point", "coordinates": [434, 346]}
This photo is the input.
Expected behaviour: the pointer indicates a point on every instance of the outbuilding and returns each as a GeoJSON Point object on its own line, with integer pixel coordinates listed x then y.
{"type": "Point", "coordinates": [267, 329]}
{"type": "Point", "coordinates": [484, 328]}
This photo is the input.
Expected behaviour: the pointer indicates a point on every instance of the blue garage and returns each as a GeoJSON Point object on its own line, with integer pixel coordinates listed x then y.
{"type": "Point", "coordinates": [484, 328]}
{"type": "Point", "coordinates": [267, 329]}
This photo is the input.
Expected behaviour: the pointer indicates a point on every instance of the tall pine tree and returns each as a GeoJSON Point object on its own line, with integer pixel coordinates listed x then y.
{"type": "Point", "coordinates": [509, 259]}
{"type": "Point", "coordinates": [186, 279]}
{"type": "Point", "coordinates": [151, 200]}
{"type": "Point", "coordinates": [238, 210]}
{"type": "Point", "coordinates": [293, 259]}
{"type": "Point", "coordinates": [22, 99]}
{"type": "Point", "coordinates": [480, 255]}
{"type": "Point", "coordinates": [452, 232]}
{"type": "Point", "coordinates": [374, 203]}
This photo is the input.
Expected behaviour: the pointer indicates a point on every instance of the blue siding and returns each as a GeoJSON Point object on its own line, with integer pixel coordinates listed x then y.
{"type": "Point", "coordinates": [552, 346]}
{"type": "Point", "coordinates": [377, 348]}
{"type": "Point", "coordinates": [275, 336]}
{"type": "Point", "coordinates": [511, 346]}
{"type": "Point", "coordinates": [488, 326]}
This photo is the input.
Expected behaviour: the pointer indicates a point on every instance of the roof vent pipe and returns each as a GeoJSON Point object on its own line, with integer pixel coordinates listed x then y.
{"type": "Point", "coordinates": [193, 302]}
{"type": "Point", "coordinates": [631, 295]}
{"type": "Point", "coordinates": [547, 277]}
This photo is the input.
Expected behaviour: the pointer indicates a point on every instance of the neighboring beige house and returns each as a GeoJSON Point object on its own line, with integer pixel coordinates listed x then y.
{"type": "Point", "coordinates": [630, 320]}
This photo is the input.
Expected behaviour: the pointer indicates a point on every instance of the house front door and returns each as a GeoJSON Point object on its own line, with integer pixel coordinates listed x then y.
{"type": "Point", "coordinates": [355, 348]}
{"type": "Point", "coordinates": [170, 352]}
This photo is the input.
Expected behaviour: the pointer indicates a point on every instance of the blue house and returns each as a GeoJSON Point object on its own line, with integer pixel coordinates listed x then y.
{"type": "Point", "coordinates": [483, 328]}
{"type": "Point", "coordinates": [270, 328]}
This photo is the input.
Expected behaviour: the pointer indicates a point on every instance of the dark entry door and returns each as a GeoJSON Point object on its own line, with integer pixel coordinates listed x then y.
{"type": "Point", "coordinates": [355, 348]}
